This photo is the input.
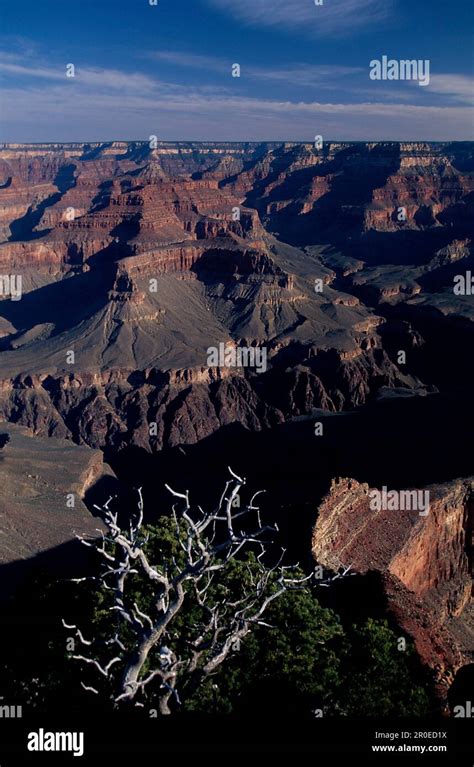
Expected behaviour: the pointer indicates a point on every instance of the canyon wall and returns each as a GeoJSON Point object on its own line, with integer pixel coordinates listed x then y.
{"type": "Point", "coordinates": [425, 563]}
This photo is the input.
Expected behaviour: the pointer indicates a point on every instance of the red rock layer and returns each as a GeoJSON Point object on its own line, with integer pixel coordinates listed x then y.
{"type": "Point", "coordinates": [426, 564]}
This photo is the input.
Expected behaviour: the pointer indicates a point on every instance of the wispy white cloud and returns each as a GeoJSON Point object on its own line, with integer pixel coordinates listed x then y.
{"type": "Point", "coordinates": [88, 76]}
{"type": "Point", "coordinates": [295, 74]}
{"type": "Point", "coordinates": [459, 88]}
{"type": "Point", "coordinates": [353, 80]}
{"type": "Point", "coordinates": [40, 104]}
{"type": "Point", "coordinates": [177, 112]}
{"type": "Point", "coordinates": [332, 19]}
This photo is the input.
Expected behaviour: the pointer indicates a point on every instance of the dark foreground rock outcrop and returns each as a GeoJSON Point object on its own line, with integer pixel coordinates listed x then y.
{"type": "Point", "coordinates": [43, 486]}
{"type": "Point", "coordinates": [425, 564]}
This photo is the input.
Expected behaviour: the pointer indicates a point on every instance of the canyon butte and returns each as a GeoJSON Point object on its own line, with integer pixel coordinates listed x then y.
{"type": "Point", "coordinates": [339, 261]}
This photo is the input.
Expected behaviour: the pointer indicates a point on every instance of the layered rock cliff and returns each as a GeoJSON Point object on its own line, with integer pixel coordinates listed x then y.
{"type": "Point", "coordinates": [118, 408]}
{"type": "Point", "coordinates": [425, 563]}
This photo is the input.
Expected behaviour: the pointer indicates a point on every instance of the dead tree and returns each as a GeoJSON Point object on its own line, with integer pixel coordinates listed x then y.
{"type": "Point", "coordinates": [209, 541]}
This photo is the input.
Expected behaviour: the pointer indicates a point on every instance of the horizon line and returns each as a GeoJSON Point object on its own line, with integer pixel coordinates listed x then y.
{"type": "Point", "coordinates": [142, 142]}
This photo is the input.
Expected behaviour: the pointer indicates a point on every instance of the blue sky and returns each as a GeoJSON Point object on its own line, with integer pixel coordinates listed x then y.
{"type": "Point", "coordinates": [166, 70]}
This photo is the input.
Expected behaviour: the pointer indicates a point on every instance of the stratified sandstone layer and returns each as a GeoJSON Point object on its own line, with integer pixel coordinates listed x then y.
{"type": "Point", "coordinates": [425, 562]}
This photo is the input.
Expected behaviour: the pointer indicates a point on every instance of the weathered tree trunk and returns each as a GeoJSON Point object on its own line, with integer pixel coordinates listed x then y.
{"type": "Point", "coordinates": [134, 667]}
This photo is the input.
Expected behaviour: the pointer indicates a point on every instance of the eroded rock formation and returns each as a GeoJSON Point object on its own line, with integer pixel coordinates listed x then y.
{"type": "Point", "coordinates": [425, 563]}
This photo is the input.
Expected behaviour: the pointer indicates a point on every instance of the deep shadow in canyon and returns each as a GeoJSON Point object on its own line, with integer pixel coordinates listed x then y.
{"type": "Point", "coordinates": [400, 443]}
